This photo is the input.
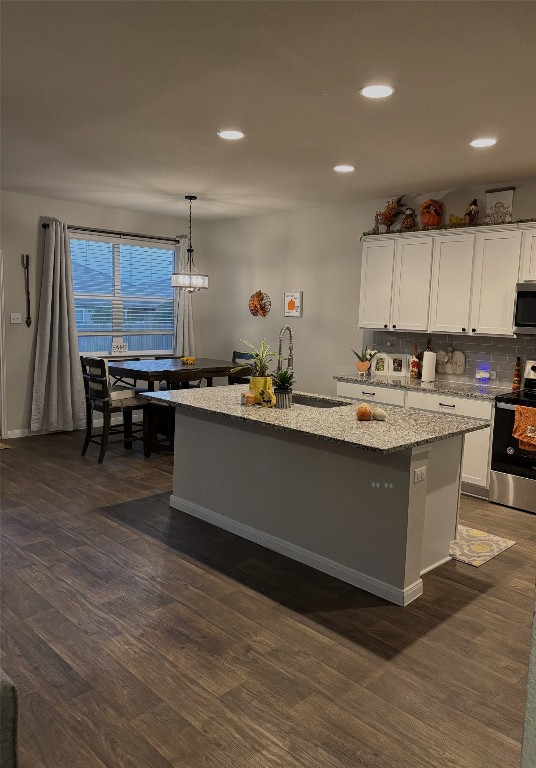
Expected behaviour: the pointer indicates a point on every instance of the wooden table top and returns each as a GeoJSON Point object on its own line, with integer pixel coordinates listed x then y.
{"type": "Point", "coordinates": [148, 369]}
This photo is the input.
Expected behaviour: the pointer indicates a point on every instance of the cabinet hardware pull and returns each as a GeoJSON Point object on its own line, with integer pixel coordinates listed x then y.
{"type": "Point", "coordinates": [385, 326]}
{"type": "Point", "coordinates": [394, 326]}
{"type": "Point", "coordinates": [473, 330]}
{"type": "Point", "coordinates": [446, 405]}
{"type": "Point", "coordinates": [464, 329]}
{"type": "Point", "coordinates": [370, 394]}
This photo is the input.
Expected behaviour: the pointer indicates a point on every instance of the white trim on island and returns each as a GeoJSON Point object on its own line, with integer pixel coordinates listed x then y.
{"type": "Point", "coordinates": [320, 563]}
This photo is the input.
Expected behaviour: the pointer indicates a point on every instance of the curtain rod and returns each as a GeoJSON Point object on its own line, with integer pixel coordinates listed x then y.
{"type": "Point", "coordinates": [114, 233]}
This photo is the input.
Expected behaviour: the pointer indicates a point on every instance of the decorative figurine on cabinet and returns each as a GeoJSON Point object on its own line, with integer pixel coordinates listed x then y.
{"type": "Point", "coordinates": [431, 212]}
{"type": "Point", "coordinates": [390, 213]}
{"type": "Point", "coordinates": [409, 221]}
{"type": "Point", "coordinates": [471, 212]}
{"type": "Point", "coordinates": [456, 221]}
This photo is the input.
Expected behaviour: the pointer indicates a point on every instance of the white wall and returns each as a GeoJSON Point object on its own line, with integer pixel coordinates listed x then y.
{"type": "Point", "coordinates": [316, 251]}
{"type": "Point", "coordinates": [20, 232]}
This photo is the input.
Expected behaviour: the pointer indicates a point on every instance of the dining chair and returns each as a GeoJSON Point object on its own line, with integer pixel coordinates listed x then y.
{"type": "Point", "coordinates": [109, 400]}
{"type": "Point", "coordinates": [121, 379]}
{"type": "Point", "coordinates": [241, 376]}
{"type": "Point", "coordinates": [161, 415]}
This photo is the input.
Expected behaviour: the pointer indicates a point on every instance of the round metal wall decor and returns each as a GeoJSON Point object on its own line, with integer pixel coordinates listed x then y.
{"type": "Point", "coordinates": [259, 304]}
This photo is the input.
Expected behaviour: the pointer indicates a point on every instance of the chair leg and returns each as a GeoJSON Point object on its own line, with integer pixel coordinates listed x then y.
{"type": "Point", "coordinates": [148, 420]}
{"type": "Point", "coordinates": [106, 416]}
{"type": "Point", "coordinates": [89, 428]}
{"type": "Point", "coordinates": [127, 422]}
{"type": "Point", "coordinates": [209, 381]}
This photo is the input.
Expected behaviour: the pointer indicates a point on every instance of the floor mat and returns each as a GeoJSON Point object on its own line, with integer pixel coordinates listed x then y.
{"type": "Point", "coordinates": [476, 547]}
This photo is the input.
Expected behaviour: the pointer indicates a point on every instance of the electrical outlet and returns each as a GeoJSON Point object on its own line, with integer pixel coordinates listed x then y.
{"type": "Point", "coordinates": [15, 317]}
{"type": "Point", "coordinates": [419, 475]}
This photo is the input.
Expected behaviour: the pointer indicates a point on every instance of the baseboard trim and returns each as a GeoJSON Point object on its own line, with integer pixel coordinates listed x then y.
{"type": "Point", "coordinates": [14, 433]}
{"type": "Point", "coordinates": [436, 565]}
{"type": "Point", "coordinates": [319, 562]}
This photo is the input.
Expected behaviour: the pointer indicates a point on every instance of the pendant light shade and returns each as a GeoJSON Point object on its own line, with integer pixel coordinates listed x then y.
{"type": "Point", "coordinates": [189, 279]}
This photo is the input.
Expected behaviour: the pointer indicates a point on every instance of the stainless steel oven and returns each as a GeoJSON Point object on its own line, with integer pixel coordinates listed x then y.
{"type": "Point", "coordinates": [513, 467]}
{"type": "Point", "coordinates": [525, 311]}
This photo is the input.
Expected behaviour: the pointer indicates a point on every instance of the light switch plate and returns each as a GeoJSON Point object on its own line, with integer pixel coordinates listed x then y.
{"type": "Point", "coordinates": [15, 317]}
{"type": "Point", "coordinates": [419, 475]}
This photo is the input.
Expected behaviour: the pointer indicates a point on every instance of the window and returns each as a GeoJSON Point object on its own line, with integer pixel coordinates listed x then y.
{"type": "Point", "coordinates": [122, 294]}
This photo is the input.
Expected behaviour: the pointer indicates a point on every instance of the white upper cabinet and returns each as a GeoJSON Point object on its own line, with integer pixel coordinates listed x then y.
{"type": "Point", "coordinates": [528, 254]}
{"type": "Point", "coordinates": [456, 282]}
{"type": "Point", "coordinates": [496, 272]}
{"type": "Point", "coordinates": [452, 279]}
{"type": "Point", "coordinates": [376, 283]}
{"type": "Point", "coordinates": [411, 295]}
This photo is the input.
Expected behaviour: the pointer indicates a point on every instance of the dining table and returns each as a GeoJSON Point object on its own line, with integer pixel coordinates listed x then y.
{"type": "Point", "coordinates": [152, 371]}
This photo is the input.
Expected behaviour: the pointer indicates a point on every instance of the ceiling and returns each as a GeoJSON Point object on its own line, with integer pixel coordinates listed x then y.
{"type": "Point", "coordinates": [118, 103]}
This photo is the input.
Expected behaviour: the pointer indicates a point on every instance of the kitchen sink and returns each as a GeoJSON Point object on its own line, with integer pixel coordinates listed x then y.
{"type": "Point", "coordinates": [316, 402]}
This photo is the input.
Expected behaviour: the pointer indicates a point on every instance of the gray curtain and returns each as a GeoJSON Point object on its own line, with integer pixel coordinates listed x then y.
{"type": "Point", "coordinates": [184, 320]}
{"type": "Point", "coordinates": [58, 391]}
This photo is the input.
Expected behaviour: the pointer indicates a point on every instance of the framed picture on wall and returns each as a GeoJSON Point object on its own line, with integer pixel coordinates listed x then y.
{"type": "Point", "coordinates": [399, 364]}
{"type": "Point", "coordinates": [381, 364]}
{"type": "Point", "coordinates": [293, 303]}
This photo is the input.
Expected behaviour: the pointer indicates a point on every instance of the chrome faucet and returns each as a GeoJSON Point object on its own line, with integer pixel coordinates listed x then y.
{"type": "Point", "coordinates": [290, 358]}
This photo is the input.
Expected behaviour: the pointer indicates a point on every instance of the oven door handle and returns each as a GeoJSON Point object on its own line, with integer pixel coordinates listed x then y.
{"type": "Point", "coordinates": [505, 406]}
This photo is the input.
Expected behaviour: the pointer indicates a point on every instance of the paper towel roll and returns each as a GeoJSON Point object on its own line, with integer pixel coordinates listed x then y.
{"type": "Point", "coordinates": [428, 366]}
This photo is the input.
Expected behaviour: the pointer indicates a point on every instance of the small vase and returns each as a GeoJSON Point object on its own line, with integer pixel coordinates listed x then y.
{"type": "Point", "coordinates": [362, 367]}
{"type": "Point", "coordinates": [283, 398]}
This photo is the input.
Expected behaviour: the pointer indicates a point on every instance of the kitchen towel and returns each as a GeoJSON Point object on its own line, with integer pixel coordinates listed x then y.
{"type": "Point", "coordinates": [428, 366]}
{"type": "Point", "coordinates": [525, 427]}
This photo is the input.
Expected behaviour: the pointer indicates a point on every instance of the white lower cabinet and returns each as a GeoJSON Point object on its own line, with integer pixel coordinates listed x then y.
{"type": "Point", "coordinates": [358, 391]}
{"type": "Point", "coordinates": [477, 446]}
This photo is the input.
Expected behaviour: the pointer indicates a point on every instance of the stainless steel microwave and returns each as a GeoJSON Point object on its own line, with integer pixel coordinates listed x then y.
{"type": "Point", "coordinates": [525, 311]}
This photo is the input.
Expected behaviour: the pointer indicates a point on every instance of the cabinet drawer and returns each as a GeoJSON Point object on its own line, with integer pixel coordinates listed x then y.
{"type": "Point", "coordinates": [457, 406]}
{"type": "Point", "coordinates": [374, 394]}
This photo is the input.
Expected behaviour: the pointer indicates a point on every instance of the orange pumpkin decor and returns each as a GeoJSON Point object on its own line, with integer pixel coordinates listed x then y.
{"type": "Point", "coordinates": [291, 305]}
{"type": "Point", "coordinates": [364, 412]}
{"type": "Point", "coordinates": [431, 212]}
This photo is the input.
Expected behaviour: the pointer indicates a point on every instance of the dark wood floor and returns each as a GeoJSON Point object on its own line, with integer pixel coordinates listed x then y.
{"type": "Point", "coordinates": [143, 638]}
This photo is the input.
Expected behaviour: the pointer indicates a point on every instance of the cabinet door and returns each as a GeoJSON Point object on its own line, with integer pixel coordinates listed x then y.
{"type": "Point", "coordinates": [475, 466]}
{"type": "Point", "coordinates": [497, 256]}
{"type": "Point", "coordinates": [411, 297]}
{"type": "Point", "coordinates": [376, 284]}
{"type": "Point", "coordinates": [528, 255]}
{"type": "Point", "coordinates": [452, 278]}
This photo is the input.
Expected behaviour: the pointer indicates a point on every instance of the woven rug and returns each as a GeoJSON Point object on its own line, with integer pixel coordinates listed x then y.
{"type": "Point", "coordinates": [476, 547]}
{"type": "Point", "coordinates": [4, 445]}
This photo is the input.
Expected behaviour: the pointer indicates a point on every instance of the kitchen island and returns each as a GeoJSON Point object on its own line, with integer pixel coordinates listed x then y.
{"type": "Point", "coordinates": [374, 504]}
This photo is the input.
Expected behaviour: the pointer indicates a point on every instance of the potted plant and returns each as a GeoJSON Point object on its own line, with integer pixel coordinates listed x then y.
{"type": "Point", "coordinates": [260, 380]}
{"type": "Point", "coordinates": [283, 381]}
{"type": "Point", "coordinates": [363, 360]}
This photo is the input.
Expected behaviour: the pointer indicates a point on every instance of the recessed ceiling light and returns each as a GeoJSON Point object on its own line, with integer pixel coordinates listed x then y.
{"type": "Point", "coordinates": [344, 168]}
{"type": "Point", "coordinates": [483, 142]}
{"type": "Point", "coordinates": [231, 135]}
{"type": "Point", "coordinates": [377, 91]}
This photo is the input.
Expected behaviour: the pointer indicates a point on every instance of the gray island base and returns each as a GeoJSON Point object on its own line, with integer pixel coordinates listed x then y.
{"type": "Point", "coordinates": [374, 504]}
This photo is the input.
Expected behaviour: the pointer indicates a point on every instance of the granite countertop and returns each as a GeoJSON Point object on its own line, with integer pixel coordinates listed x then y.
{"type": "Point", "coordinates": [404, 428]}
{"type": "Point", "coordinates": [441, 386]}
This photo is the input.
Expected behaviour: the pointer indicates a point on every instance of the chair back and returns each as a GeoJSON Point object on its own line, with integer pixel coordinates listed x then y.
{"type": "Point", "coordinates": [183, 379]}
{"type": "Point", "coordinates": [241, 376]}
{"type": "Point", "coordinates": [95, 375]}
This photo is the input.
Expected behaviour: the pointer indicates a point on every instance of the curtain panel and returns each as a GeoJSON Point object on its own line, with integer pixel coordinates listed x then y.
{"type": "Point", "coordinates": [184, 320]}
{"type": "Point", "coordinates": [58, 401]}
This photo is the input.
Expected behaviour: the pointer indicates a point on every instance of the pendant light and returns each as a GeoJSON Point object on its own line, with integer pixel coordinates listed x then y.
{"type": "Point", "coordinates": [189, 279]}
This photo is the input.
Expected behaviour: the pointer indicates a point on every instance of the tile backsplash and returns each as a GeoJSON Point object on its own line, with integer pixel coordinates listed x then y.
{"type": "Point", "coordinates": [498, 353]}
